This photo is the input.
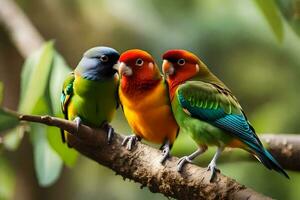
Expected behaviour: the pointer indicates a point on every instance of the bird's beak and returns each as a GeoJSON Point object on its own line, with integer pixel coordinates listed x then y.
{"type": "Point", "coordinates": [124, 70]}
{"type": "Point", "coordinates": [168, 68]}
{"type": "Point", "coordinates": [116, 66]}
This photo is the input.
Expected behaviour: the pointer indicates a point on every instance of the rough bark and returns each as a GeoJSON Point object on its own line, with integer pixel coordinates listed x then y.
{"type": "Point", "coordinates": [285, 148]}
{"type": "Point", "coordinates": [142, 165]}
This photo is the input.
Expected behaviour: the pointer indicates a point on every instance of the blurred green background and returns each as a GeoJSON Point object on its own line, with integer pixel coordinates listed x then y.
{"type": "Point", "coordinates": [254, 51]}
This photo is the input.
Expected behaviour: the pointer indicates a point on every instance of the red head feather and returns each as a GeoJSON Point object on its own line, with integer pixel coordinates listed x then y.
{"type": "Point", "coordinates": [184, 64]}
{"type": "Point", "coordinates": [175, 54]}
{"type": "Point", "coordinates": [129, 57]}
{"type": "Point", "coordinates": [144, 72]}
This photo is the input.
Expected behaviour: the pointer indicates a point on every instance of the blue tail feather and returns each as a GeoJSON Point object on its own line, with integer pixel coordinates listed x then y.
{"type": "Point", "coordinates": [267, 159]}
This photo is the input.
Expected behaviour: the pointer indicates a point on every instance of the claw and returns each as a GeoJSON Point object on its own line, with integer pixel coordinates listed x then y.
{"type": "Point", "coordinates": [78, 121]}
{"type": "Point", "coordinates": [110, 131]}
{"type": "Point", "coordinates": [188, 159]}
{"type": "Point", "coordinates": [213, 163]}
{"type": "Point", "coordinates": [165, 154]}
{"type": "Point", "coordinates": [182, 161]}
{"type": "Point", "coordinates": [130, 141]}
{"type": "Point", "coordinates": [213, 168]}
{"type": "Point", "coordinates": [110, 134]}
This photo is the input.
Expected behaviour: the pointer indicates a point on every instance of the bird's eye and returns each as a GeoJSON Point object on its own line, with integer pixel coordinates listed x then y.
{"type": "Point", "coordinates": [104, 58]}
{"type": "Point", "coordinates": [139, 62]}
{"type": "Point", "coordinates": [181, 62]}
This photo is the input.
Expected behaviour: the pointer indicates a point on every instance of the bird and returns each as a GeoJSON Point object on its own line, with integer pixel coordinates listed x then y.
{"type": "Point", "coordinates": [145, 101]}
{"type": "Point", "coordinates": [206, 109]}
{"type": "Point", "coordinates": [89, 93]}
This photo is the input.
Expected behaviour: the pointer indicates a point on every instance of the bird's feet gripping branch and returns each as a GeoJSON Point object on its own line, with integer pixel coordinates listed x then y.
{"type": "Point", "coordinates": [130, 140]}
{"type": "Point", "coordinates": [166, 148]}
{"type": "Point", "coordinates": [212, 167]}
{"type": "Point", "coordinates": [110, 131]}
{"type": "Point", "coordinates": [78, 121]}
{"type": "Point", "coordinates": [188, 159]}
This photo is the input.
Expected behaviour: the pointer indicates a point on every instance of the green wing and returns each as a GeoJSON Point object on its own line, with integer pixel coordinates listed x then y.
{"type": "Point", "coordinates": [216, 105]}
{"type": "Point", "coordinates": [66, 95]}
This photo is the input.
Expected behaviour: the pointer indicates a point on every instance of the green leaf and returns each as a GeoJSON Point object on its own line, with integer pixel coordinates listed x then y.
{"type": "Point", "coordinates": [27, 68]}
{"type": "Point", "coordinates": [47, 162]}
{"type": "Point", "coordinates": [42, 78]}
{"type": "Point", "coordinates": [7, 180]}
{"type": "Point", "coordinates": [35, 77]}
{"type": "Point", "coordinates": [1, 92]}
{"type": "Point", "coordinates": [7, 120]}
{"type": "Point", "coordinates": [59, 72]}
{"type": "Point", "coordinates": [272, 15]}
{"type": "Point", "coordinates": [68, 155]}
{"type": "Point", "coordinates": [13, 138]}
{"type": "Point", "coordinates": [290, 10]}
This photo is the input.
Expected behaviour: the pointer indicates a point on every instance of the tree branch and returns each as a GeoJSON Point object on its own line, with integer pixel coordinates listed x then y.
{"type": "Point", "coordinates": [142, 165]}
{"type": "Point", "coordinates": [285, 148]}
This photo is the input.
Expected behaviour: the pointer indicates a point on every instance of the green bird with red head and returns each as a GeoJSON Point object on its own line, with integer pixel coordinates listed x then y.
{"type": "Point", "coordinates": [205, 108]}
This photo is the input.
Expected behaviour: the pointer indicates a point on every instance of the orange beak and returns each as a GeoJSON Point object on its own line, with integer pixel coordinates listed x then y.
{"type": "Point", "coordinates": [168, 68]}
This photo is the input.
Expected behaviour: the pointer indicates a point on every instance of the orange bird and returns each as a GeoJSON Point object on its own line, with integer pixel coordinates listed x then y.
{"type": "Point", "coordinates": [145, 101]}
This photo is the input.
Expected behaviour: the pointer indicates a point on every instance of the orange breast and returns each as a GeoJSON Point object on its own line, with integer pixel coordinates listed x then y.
{"type": "Point", "coordinates": [150, 115]}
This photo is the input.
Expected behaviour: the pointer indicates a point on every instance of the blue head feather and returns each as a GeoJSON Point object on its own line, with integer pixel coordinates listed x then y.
{"type": "Point", "coordinates": [97, 63]}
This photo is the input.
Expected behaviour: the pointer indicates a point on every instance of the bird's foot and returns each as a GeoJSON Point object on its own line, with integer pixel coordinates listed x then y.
{"type": "Point", "coordinates": [130, 140]}
{"type": "Point", "coordinates": [188, 159]}
{"type": "Point", "coordinates": [212, 167]}
{"type": "Point", "coordinates": [110, 132]}
{"type": "Point", "coordinates": [165, 153]}
{"type": "Point", "coordinates": [78, 121]}
{"type": "Point", "coordinates": [182, 161]}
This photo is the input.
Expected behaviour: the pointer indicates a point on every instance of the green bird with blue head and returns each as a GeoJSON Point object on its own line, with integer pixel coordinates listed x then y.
{"type": "Point", "coordinates": [89, 93]}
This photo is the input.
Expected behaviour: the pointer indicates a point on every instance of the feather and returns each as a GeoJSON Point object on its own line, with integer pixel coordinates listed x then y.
{"type": "Point", "coordinates": [223, 111]}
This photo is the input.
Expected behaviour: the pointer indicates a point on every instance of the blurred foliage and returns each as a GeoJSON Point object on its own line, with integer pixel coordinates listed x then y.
{"type": "Point", "coordinates": [58, 74]}
{"type": "Point", "coordinates": [291, 12]}
{"type": "Point", "coordinates": [48, 164]}
{"type": "Point", "coordinates": [274, 9]}
{"type": "Point", "coordinates": [7, 120]}
{"type": "Point", "coordinates": [248, 44]}
{"type": "Point", "coordinates": [41, 80]}
{"type": "Point", "coordinates": [37, 97]}
{"type": "Point", "coordinates": [7, 180]}
{"type": "Point", "coordinates": [270, 11]}
{"type": "Point", "coordinates": [1, 92]}
{"type": "Point", "coordinates": [13, 137]}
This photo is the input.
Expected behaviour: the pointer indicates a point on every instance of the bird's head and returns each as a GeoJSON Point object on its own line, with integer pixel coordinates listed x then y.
{"type": "Point", "coordinates": [138, 65]}
{"type": "Point", "coordinates": [180, 65]}
{"type": "Point", "coordinates": [98, 63]}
